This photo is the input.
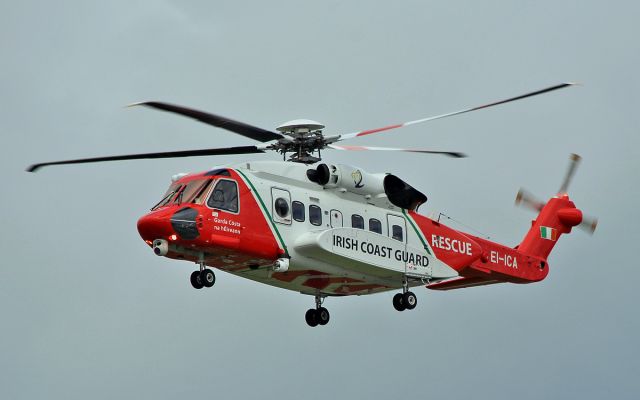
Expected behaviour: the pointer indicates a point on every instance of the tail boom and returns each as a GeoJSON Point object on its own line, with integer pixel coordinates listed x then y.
{"type": "Point", "coordinates": [525, 263]}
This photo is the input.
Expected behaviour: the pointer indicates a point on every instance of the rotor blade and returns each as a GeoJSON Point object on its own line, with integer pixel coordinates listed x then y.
{"type": "Point", "coordinates": [574, 160]}
{"type": "Point", "coordinates": [524, 198]}
{"type": "Point", "coordinates": [252, 132]}
{"type": "Point", "coordinates": [361, 148]}
{"type": "Point", "coordinates": [588, 224]}
{"type": "Point", "coordinates": [466, 110]}
{"type": "Point", "coordinates": [169, 154]}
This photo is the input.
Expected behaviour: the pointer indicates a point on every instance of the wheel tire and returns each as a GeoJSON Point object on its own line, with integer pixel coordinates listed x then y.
{"type": "Point", "coordinates": [323, 316]}
{"type": "Point", "coordinates": [410, 300]}
{"type": "Point", "coordinates": [311, 317]}
{"type": "Point", "coordinates": [196, 281]}
{"type": "Point", "coordinates": [207, 277]}
{"type": "Point", "coordinates": [398, 302]}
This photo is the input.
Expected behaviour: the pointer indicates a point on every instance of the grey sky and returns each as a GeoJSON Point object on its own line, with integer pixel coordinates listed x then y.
{"type": "Point", "coordinates": [89, 312]}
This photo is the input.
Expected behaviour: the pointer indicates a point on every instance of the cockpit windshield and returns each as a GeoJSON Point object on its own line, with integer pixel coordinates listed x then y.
{"type": "Point", "coordinates": [190, 192]}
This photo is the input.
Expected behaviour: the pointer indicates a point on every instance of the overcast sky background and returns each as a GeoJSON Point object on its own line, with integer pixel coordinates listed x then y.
{"type": "Point", "coordinates": [87, 310]}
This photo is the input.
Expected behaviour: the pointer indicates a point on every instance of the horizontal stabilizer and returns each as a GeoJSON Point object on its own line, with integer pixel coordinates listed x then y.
{"type": "Point", "coordinates": [462, 282]}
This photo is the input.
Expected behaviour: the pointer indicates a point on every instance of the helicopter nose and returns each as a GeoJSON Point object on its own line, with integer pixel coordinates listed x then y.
{"type": "Point", "coordinates": [154, 226]}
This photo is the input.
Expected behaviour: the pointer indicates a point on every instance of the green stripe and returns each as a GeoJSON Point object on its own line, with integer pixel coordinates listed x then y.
{"type": "Point", "coordinates": [266, 211]}
{"type": "Point", "coordinates": [418, 232]}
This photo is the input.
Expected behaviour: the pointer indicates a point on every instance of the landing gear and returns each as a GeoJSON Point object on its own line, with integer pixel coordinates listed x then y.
{"type": "Point", "coordinates": [202, 278]}
{"type": "Point", "coordinates": [207, 277]}
{"type": "Point", "coordinates": [311, 317]}
{"type": "Point", "coordinates": [405, 300]}
{"type": "Point", "coordinates": [319, 315]}
{"type": "Point", "coordinates": [323, 316]}
{"type": "Point", "coordinates": [398, 302]}
{"type": "Point", "coordinates": [410, 300]}
{"type": "Point", "coordinates": [196, 281]}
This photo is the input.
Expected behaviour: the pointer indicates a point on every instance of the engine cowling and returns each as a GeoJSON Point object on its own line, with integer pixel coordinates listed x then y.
{"type": "Point", "coordinates": [355, 180]}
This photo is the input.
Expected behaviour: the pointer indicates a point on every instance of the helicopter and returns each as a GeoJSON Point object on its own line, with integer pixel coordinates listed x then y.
{"type": "Point", "coordinates": [329, 230]}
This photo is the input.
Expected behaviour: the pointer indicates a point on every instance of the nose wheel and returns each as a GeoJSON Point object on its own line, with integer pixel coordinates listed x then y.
{"type": "Point", "coordinates": [319, 315]}
{"type": "Point", "coordinates": [202, 278]}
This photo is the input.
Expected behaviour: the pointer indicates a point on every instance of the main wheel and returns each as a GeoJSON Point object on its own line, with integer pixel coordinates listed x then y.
{"type": "Point", "coordinates": [311, 317]}
{"type": "Point", "coordinates": [196, 281]}
{"type": "Point", "coordinates": [323, 316]}
{"type": "Point", "coordinates": [207, 277]}
{"type": "Point", "coordinates": [410, 300]}
{"type": "Point", "coordinates": [398, 302]}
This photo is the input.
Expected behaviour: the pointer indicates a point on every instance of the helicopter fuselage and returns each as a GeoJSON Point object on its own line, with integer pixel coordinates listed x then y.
{"type": "Point", "coordinates": [274, 223]}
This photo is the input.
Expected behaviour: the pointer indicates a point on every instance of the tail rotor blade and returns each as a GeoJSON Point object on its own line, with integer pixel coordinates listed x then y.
{"type": "Point", "coordinates": [588, 224]}
{"type": "Point", "coordinates": [574, 160]}
{"type": "Point", "coordinates": [524, 198]}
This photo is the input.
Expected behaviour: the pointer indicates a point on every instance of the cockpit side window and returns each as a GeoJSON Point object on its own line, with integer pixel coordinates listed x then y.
{"type": "Point", "coordinates": [224, 196]}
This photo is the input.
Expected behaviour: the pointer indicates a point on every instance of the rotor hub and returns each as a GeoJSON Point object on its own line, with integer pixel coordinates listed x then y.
{"type": "Point", "coordinates": [303, 138]}
{"type": "Point", "coordinates": [300, 126]}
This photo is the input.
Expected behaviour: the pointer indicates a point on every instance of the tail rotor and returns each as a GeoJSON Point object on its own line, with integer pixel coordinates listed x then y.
{"type": "Point", "coordinates": [588, 224]}
{"type": "Point", "coordinates": [574, 161]}
{"type": "Point", "coordinates": [526, 199]}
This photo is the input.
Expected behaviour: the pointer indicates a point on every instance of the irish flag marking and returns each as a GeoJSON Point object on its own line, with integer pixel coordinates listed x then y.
{"type": "Point", "coordinates": [548, 233]}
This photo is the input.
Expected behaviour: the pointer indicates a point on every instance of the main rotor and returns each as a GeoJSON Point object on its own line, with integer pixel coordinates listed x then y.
{"type": "Point", "coordinates": [303, 139]}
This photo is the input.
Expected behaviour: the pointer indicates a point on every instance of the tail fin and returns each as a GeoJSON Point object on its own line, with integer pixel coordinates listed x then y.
{"type": "Point", "coordinates": [555, 218]}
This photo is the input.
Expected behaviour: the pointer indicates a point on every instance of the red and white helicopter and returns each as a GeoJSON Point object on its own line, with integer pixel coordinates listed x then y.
{"type": "Point", "coordinates": [327, 229]}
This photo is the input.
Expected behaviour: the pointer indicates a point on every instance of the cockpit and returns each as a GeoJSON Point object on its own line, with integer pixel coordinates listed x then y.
{"type": "Point", "coordinates": [224, 195]}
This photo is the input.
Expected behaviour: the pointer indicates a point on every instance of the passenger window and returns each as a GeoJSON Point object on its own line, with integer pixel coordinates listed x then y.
{"type": "Point", "coordinates": [224, 196]}
{"type": "Point", "coordinates": [298, 211]}
{"type": "Point", "coordinates": [396, 233]}
{"type": "Point", "coordinates": [315, 215]}
{"type": "Point", "coordinates": [375, 226]}
{"type": "Point", "coordinates": [357, 221]}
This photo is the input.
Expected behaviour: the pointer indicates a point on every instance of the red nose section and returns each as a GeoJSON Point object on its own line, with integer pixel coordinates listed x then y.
{"type": "Point", "coordinates": [155, 225]}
